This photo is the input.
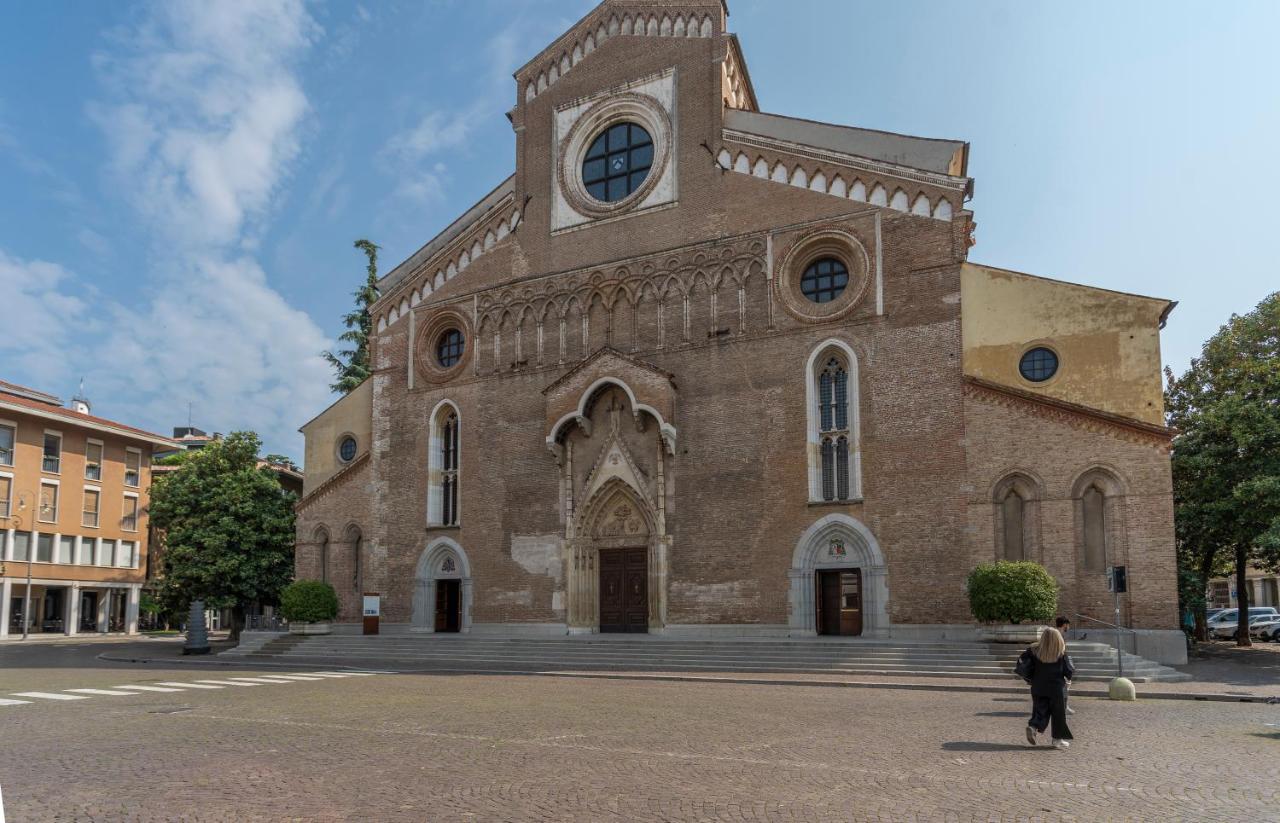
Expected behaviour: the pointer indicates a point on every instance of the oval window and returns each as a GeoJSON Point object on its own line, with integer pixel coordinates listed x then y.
{"type": "Point", "coordinates": [824, 280]}
{"type": "Point", "coordinates": [449, 348]}
{"type": "Point", "coordinates": [617, 162]}
{"type": "Point", "coordinates": [1038, 364]}
{"type": "Point", "coordinates": [347, 449]}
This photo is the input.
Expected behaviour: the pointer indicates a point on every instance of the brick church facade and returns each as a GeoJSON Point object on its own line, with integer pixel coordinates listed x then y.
{"type": "Point", "coordinates": [698, 369]}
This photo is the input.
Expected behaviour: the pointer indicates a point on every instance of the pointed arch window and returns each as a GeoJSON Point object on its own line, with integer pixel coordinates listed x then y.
{"type": "Point", "coordinates": [444, 462]}
{"type": "Point", "coordinates": [322, 553]}
{"type": "Point", "coordinates": [1013, 513]}
{"type": "Point", "coordinates": [1094, 506]}
{"type": "Point", "coordinates": [1016, 500]}
{"type": "Point", "coordinates": [833, 428]}
{"type": "Point", "coordinates": [832, 396]}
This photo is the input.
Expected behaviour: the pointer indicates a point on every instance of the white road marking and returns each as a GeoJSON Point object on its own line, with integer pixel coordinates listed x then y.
{"type": "Point", "coordinates": [260, 679]}
{"type": "Point", "coordinates": [51, 696]}
{"type": "Point", "coordinates": [357, 674]}
{"type": "Point", "coordinates": [149, 688]}
{"type": "Point", "coordinates": [325, 674]}
{"type": "Point", "coordinates": [186, 685]}
{"type": "Point", "coordinates": [228, 683]}
{"type": "Point", "coordinates": [108, 692]}
{"type": "Point", "coordinates": [4, 701]}
{"type": "Point", "coordinates": [296, 677]}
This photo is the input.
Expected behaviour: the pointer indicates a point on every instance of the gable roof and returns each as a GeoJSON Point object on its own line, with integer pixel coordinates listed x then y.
{"type": "Point", "coordinates": [949, 157]}
{"type": "Point", "coordinates": [58, 413]}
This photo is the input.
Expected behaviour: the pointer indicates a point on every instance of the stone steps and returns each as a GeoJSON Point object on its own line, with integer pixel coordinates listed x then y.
{"type": "Point", "coordinates": [1094, 661]}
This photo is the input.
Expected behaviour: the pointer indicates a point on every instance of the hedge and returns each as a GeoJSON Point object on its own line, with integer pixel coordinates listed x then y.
{"type": "Point", "coordinates": [308, 601]}
{"type": "Point", "coordinates": [1012, 592]}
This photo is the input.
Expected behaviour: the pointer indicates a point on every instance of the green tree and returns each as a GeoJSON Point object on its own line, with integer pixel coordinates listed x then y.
{"type": "Point", "coordinates": [1226, 457]}
{"type": "Point", "coordinates": [280, 460]}
{"type": "Point", "coordinates": [228, 528]}
{"type": "Point", "coordinates": [351, 365]}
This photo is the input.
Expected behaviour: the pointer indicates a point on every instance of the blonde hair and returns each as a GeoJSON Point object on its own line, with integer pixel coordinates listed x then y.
{"type": "Point", "coordinates": [1051, 646]}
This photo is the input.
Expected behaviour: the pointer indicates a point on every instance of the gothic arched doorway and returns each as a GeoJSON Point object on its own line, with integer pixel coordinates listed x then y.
{"type": "Point", "coordinates": [613, 566]}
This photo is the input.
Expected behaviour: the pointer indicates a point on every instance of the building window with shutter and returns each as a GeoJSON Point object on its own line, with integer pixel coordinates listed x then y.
{"type": "Point", "coordinates": [8, 435]}
{"type": "Point", "coordinates": [52, 460]}
{"type": "Point", "coordinates": [48, 502]}
{"type": "Point", "coordinates": [129, 522]}
{"type": "Point", "coordinates": [93, 460]}
{"type": "Point", "coordinates": [92, 499]}
{"type": "Point", "coordinates": [132, 467]}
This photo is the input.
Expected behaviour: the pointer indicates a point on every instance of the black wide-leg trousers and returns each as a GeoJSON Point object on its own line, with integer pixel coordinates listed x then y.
{"type": "Point", "coordinates": [1046, 710]}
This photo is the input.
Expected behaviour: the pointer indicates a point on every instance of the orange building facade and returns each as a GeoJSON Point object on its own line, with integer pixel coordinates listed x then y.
{"type": "Point", "coordinates": [73, 516]}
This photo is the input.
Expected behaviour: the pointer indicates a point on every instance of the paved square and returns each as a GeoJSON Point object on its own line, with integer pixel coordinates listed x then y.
{"type": "Point", "coordinates": [438, 747]}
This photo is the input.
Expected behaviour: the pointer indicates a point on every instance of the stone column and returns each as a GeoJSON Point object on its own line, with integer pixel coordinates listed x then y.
{"type": "Point", "coordinates": [73, 608]}
{"type": "Point", "coordinates": [104, 609]}
{"type": "Point", "coordinates": [131, 609]}
{"type": "Point", "coordinates": [6, 595]}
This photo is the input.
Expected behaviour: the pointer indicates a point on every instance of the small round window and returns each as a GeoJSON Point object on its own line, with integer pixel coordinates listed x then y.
{"type": "Point", "coordinates": [347, 449]}
{"type": "Point", "coordinates": [824, 280]}
{"type": "Point", "coordinates": [1038, 364]}
{"type": "Point", "coordinates": [449, 348]}
{"type": "Point", "coordinates": [617, 162]}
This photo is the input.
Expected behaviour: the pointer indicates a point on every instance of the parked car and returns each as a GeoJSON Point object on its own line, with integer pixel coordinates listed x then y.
{"type": "Point", "coordinates": [1225, 625]}
{"type": "Point", "coordinates": [1266, 628]}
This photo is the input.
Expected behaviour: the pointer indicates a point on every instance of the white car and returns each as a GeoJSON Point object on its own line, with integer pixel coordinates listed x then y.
{"type": "Point", "coordinates": [1267, 628]}
{"type": "Point", "coordinates": [1225, 629]}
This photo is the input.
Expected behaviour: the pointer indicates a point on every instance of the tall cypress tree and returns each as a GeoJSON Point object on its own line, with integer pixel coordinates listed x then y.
{"type": "Point", "coordinates": [351, 365]}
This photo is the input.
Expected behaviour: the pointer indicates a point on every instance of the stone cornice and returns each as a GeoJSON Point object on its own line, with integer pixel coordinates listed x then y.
{"type": "Point", "coordinates": [332, 483]}
{"type": "Point", "coordinates": [1073, 414]}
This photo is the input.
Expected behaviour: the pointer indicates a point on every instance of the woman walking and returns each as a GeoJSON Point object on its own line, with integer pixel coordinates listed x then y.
{"type": "Point", "coordinates": [1047, 667]}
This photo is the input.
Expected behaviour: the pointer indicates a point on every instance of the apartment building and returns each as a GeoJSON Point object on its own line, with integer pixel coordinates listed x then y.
{"type": "Point", "coordinates": [73, 516]}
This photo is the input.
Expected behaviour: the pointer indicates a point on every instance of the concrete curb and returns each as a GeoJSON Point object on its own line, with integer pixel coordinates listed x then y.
{"type": "Point", "coordinates": [1215, 697]}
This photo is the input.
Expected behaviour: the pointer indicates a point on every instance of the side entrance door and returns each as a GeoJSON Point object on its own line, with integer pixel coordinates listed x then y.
{"type": "Point", "coordinates": [448, 605]}
{"type": "Point", "coordinates": [840, 602]}
{"type": "Point", "coordinates": [624, 590]}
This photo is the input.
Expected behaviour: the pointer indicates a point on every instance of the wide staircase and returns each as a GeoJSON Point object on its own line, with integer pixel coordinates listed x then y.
{"type": "Point", "coordinates": [650, 653]}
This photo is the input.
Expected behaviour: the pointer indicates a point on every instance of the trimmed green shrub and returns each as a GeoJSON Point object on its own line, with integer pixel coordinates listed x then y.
{"type": "Point", "coordinates": [1012, 592]}
{"type": "Point", "coordinates": [308, 601]}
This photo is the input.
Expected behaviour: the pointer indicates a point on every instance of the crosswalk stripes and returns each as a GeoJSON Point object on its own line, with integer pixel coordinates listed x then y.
{"type": "Point", "coordinates": [186, 685]}
{"type": "Point", "coordinates": [176, 686]}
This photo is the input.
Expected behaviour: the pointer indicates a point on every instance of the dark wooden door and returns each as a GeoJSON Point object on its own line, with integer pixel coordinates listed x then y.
{"type": "Point", "coordinates": [624, 590]}
{"type": "Point", "coordinates": [448, 605]}
{"type": "Point", "coordinates": [840, 602]}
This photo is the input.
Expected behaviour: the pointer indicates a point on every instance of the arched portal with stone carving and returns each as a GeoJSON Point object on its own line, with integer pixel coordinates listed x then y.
{"type": "Point", "coordinates": [443, 572]}
{"type": "Point", "coordinates": [838, 543]}
{"type": "Point", "coordinates": [617, 563]}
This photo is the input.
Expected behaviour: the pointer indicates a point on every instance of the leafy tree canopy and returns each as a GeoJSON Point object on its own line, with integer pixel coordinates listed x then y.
{"type": "Point", "coordinates": [281, 460]}
{"type": "Point", "coordinates": [228, 526]}
{"type": "Point", "coordinates": [1226, 458]}
{"type": "Point", "coordinates": [351, 365]}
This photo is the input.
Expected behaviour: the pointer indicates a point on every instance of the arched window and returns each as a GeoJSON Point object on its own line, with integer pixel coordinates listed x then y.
{"type": "Point", "coordinates": [1094, 515]}
{"type": "Point", "coordinates": [443, 464]}
{"type": "Point", "coordinates": [834, 473]}
{"type": "Point", "coordinates": [1100, 539]}
{"type": "Point", "coordinates": [1013, 513]}
{"type": "Point", "coordinates": [449, 466]}
{"type": "Point", "coordinates": [322, 552]}
{"type": "Point", "coordinates": [1016, 499]}
{"type": "Point", "coordinates": [356, 539]}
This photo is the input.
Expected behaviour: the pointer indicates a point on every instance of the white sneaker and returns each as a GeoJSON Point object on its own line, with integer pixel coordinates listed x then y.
{"type": "Point", "coordinates": [1069, 710]}
{"type": "Point", "coordinates": [1031, 735]}
{"type": "Point", "coordinates": [1062, 744]}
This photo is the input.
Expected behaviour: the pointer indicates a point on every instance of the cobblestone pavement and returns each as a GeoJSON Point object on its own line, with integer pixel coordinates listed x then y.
{"type": "Point", "coordinates": [436, 747]}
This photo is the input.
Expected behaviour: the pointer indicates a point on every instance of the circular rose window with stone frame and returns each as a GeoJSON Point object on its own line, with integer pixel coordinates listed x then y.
{"type": "Point", "coordinates": [614, 155]}
{"type": "Point", "coordinates": [823, 276]}
{"type": "Point", "coordinates": [441, 349]}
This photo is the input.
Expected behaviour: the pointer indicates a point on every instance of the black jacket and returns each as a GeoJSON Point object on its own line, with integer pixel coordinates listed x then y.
{"type": "Point", "coordinates": [1048, 679]}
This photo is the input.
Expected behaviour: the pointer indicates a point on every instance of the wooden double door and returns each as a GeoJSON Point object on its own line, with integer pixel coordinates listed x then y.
{"type": "Point", "coordinates": [624, 590]}
{"type": "Point", "coordinates": [840, 602]}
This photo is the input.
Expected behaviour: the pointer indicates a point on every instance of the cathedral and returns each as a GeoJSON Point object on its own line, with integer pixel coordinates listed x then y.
{"type": "Point", "coordinates": [702, 370]}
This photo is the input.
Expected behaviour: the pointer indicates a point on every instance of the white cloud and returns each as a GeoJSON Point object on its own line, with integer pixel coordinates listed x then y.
{"type": "Point", "coordinates": [203, 110]}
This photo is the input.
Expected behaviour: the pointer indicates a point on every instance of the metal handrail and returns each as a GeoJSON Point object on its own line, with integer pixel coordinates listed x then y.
{"type": "Point", "coordinates": [1105, 623]}
{"type": "Point", "coordinates": [1118, 628]}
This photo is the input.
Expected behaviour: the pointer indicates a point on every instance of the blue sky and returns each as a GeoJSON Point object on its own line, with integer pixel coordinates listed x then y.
{"type": "Point", "coordinates": [181, 182]}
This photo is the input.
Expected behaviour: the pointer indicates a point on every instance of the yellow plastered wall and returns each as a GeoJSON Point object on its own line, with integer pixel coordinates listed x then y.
{"type": "Point", "coordinates": [1108, 343]}
{"type": "Point", "coordinates": [350, 415]}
